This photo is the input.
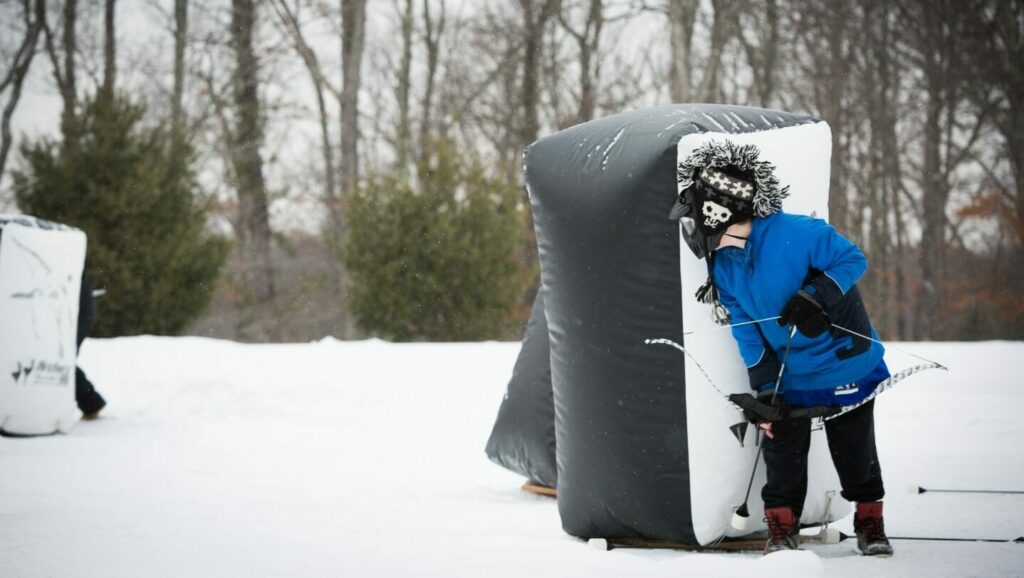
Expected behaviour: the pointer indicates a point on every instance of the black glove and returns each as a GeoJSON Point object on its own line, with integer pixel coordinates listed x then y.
{"type": "Point", "coordinates": [761, 409]}
{"type": "Point", "coordinates": [806, 313]}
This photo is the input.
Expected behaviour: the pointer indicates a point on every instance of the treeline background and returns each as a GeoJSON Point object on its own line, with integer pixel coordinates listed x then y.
{"type": "Point", "coordinates": [352, 168]}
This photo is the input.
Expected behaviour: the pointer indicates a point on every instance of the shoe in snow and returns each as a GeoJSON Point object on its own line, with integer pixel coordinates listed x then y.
{"type": "Point", "coordinates": [783, 530]}
{"type": "Point", "coordinates": [870, 530]}
{"type": "Point", "coordinates": [91, 406]}
{"type": "Point", "coordinates": [89, 401]}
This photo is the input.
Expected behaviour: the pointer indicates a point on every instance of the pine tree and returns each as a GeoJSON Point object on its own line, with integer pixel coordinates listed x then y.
{"type": "Point", "coordinates": [132, 188]}
{"type": "Point", "coordinates": [441, 261]}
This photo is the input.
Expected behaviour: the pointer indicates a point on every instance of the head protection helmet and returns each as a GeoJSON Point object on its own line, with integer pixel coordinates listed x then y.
{"type": "Point", "coordinates": [719, 184]}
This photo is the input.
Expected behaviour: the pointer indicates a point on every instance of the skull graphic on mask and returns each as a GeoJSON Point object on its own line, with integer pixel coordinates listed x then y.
{"type": "Point", "coordinates": [714, 214]}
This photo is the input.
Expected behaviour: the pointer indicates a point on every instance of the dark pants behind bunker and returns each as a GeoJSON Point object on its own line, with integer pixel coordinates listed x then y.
{"type": "Point", "coordinates": [88, 399]}
{"type": "Point", "coordinates": [851, 441]}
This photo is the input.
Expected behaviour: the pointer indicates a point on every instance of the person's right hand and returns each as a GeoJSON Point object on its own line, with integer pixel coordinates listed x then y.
{"type": "Point", "coordinates": [766, 427]}
{"type": "Point", "coordinates": [807, 314]}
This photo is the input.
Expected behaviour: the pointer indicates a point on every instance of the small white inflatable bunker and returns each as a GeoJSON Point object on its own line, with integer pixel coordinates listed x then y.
{"type": "Point", "coordinates": [40, 276]}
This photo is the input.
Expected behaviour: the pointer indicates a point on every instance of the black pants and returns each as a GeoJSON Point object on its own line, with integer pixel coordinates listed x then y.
{"type": "Point", "coordinates": [851, 440]}
{"type": "Point", "coordinates": [88, 399]}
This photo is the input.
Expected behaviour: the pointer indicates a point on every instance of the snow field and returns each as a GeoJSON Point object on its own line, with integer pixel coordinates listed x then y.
{"type": "Point", "coordinates": [366, 459]}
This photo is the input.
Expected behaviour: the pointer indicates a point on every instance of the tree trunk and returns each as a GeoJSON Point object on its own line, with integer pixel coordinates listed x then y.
{"type": "Point", "coordinates": [432, 37]}
{"type": "Point", "coordinates": [932, 243]}
{"type": "Point", "coordinates": [178, 92]}
{"type": "Point", "coordinates": [536, 15]}
{"type": "Point", "coordinates": [353, 40]}
{"type": "Point", "coordinates": [109, 50]}
{"type": "Point", "coordinates": [681, 17]}
{"type": "Point", "coordinates": [763, 55]}
{"type": "Point", "coordinates": [722, 29]}
{"type": "Point", "coordinates": [889, 71]}
{"type": "Point", "coordinates": [766, 88]}
{"type": "Point", "coordinates": [1014, 137]}
{"type": "Point", "coordinates": [253, 218]}
{"type": "Point", "coordinates": [509, 143]}
{"type": "Point", "coordinates": [592, 79]}
{"type": "Point", "coordinates": [837, 68]}
{"type": "Point", "coordinates": [933, 205]}
{"type": "Point", "coordinates": [872, 185]}
{"type": "Point", "coordinates": [1007, 23]}
{"type": "Point", "coordinates": [404, 136]}
{"type": "Point", "coordinates": [535, 22]}
{"type": "Point", "coordinates": [69, 93]}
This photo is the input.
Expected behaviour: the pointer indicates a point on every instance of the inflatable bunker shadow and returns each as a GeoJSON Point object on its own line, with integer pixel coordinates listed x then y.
{"type": "Point", "coordinates": [40, 279]}
{"type": "Point", "coordinates": [642, 441]}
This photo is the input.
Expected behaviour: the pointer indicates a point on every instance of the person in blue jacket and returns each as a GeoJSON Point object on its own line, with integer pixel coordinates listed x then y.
{"type": "Point", "coordinates": [764, 263]}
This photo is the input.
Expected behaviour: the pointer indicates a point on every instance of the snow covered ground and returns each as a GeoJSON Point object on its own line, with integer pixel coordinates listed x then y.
{"type": "Point", "coordinates": [366, 459]}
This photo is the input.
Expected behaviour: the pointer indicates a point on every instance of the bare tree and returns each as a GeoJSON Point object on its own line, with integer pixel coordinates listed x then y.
{"type": "Point", "coordinates": [881, 191]}
{"type": "Point", "coordinates": [432, 34]}
{"type": "Point", "coordinates": [65, 76]}
{"type": "Point", "coordinates": [321, 85]}
{"type": "Point", "coordinates": [588, 40]}
{"type": "Point", "coordinates": [892, 208]}
{"type": "Point", "coordinates": [761, 46]}
{"type": "Point", "coordinates": [723, 29]}
{"type": "Point", "coordinates": [247, 139]}
{"type": "Point", "coordinates": [484, 91]}
{"type": "Point", "coordinates": [682, 14]}
{"type": "Point", "coordinates": [685, 19]}
{"type": "Point", "coordinates": [935, 34]}
{"type": "Point", "coordinates": [825, 55]}
{"type": "Point", "coordinates": [13, 80]}
{"type": "Point", "coordinates": [1000, 60]}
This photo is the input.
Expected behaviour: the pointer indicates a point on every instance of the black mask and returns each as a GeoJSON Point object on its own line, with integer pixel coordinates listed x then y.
{"type": "Point", "coordinates": [714, 211]}
{"type": "Point", "coordinates": [709, 206]}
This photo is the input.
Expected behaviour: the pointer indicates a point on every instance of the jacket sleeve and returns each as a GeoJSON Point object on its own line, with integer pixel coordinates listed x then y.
{"type": "Point", "coordinates": [762, 366]}
{"type": "Point", "coordinates": [840, 261]}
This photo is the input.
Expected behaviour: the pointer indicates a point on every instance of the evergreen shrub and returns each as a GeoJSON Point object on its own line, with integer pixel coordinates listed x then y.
{"type": "Point", "coordinates": [132, 188]}
{"type": "Point", "coordinates": [441, 260]}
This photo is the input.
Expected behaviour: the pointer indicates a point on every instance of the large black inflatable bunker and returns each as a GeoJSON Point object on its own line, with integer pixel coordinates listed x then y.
{"type": "Point", "coordinates": [642, 441]}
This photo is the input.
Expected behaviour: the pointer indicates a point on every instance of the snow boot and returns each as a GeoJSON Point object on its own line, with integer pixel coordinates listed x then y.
{"type": "Point", "coordinates": [783, 530]}
{"type": "Point", "coordinates": [870, 530]}
{"type": "Point", "coordinates": [90, 404]}
{"type": "Point", "coordinates": [89, 401]}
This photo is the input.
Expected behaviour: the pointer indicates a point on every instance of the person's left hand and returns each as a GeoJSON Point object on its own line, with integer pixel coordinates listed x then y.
{"type": "Point", "coordinates": [766, 427]}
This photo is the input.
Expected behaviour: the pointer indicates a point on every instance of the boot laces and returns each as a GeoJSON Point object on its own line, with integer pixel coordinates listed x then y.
{"type": "Point", "coordinates": [778, 531]}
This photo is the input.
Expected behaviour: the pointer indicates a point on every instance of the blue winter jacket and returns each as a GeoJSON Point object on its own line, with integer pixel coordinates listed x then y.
{"type": "Point", "coordinates": [783, 254]}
